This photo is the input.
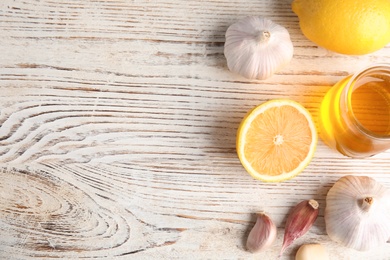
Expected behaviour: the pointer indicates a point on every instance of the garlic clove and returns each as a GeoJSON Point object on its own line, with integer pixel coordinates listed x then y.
{"type": "Point", "coordinates": [312, 251]}
{"type": "Point", "coordinates": [299, 221]}
{"type": "Point", "coordinates": [256, 47]}
{"type": "Point", "coordinates": [357, 213]}
{"type": "Point", "coordinates": [262, 235]}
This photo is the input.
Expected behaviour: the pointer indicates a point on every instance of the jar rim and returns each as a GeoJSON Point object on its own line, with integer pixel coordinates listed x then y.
{"type": "Point", "coordinates": [349, 90]}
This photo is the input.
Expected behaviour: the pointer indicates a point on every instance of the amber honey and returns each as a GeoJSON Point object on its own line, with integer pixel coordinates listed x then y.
{"type": "Point", "coordinates": [355, 113]}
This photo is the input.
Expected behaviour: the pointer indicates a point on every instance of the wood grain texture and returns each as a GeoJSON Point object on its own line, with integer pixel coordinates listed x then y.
{"type": "Point", "coordinates": [118, 122]}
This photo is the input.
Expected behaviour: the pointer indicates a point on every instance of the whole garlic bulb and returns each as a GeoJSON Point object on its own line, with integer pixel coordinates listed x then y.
{"type": "Point", "coordinates": [256, 47]}
{"type": "Point", "coordinates": [357, 212]}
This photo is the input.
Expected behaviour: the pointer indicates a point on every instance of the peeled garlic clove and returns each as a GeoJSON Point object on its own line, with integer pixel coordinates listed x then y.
{"type": "Point", "coordinates": [312, 251]}
{"type": "Point", "coordinates": [262, 235]}
{"type": "Point", "coordinates": [256, 47]}
{"type": "Point", "coordinates": [300, 220]}
{"type": "Point", "coordinates": [357, 212]}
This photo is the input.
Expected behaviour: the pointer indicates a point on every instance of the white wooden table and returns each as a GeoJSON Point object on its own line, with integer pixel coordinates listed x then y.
{"type": "Point", "coordinates": [118, 122]}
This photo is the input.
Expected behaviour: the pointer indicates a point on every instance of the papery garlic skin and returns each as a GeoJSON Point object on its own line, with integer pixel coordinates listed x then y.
{"type": "Point", "coordinates": [357, 213]}
{"type": "Point", "coordinates": [262, 235]}
{"type": "Point", "coordinates": [299, 221]}
{"type": "Point", "coordinates": [256, 47]}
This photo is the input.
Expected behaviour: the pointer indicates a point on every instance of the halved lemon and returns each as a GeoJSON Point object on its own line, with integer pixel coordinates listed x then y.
{"type": "Point", "coordinates": [276, 140]}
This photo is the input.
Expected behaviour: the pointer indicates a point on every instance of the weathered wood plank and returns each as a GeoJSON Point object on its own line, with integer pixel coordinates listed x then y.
{"type": "Point", "coordinates": [118, 122]}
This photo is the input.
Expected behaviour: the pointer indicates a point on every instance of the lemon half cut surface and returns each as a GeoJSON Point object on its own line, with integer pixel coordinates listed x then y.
{"type": "Point", "coordinates": [276, 140]}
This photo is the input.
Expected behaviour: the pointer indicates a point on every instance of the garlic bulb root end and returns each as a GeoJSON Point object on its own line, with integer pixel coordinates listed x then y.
{"type": "Point", "coordinates": [367, 202]}
{"type": "Point", "coordinates": [263, 36]}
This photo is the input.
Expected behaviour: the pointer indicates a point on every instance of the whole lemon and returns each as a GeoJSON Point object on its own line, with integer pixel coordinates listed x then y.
{"type": "Point", "coordinates": [353, 27]}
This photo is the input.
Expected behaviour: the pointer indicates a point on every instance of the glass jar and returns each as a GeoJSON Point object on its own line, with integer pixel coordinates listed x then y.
{"type": "Point", "coordinates": [355, 113]}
